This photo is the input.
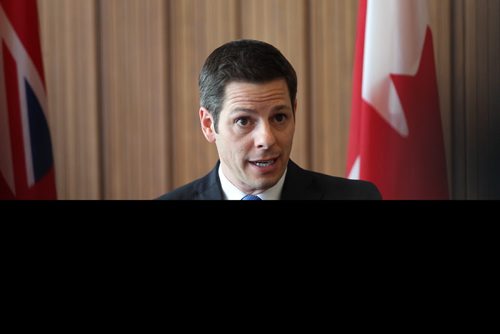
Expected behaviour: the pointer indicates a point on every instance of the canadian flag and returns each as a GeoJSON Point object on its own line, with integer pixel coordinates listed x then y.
{"type": "Point", "coordinates": [26, 161]}
{"type": "Point", "coordinates": [396, 137]}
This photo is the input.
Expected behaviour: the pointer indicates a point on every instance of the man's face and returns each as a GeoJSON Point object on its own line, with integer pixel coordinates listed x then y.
{"type": "Point", "coordinates": [255, 134]}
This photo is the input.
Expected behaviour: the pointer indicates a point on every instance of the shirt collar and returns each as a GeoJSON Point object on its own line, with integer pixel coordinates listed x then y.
{"type": "Point", "coordinates": [232, 193]}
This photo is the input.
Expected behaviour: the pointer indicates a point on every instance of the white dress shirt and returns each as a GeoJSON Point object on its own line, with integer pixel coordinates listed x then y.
{"type": "Point", "coordinates": [230, 191]}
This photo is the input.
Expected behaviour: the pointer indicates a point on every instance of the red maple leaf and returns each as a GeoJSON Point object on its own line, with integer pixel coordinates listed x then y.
{"type": "Point", "coordinates": [412, 167]}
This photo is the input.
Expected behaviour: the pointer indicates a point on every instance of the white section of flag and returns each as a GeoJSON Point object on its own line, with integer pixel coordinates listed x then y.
{"type": "Point", "coordinates": [26, 70]}
{"type": "Point", "coordinates": [395, 34]}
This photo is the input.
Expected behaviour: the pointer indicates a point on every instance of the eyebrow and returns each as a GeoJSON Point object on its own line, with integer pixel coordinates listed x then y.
{"type": "Point", "coordinates": [235, 110]}
{"type": "Point", "coordinates": [248, 110]}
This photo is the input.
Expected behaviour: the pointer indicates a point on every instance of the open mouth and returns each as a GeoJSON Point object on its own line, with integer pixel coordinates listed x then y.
{"type": "Point", "coordinates": [263, 163]}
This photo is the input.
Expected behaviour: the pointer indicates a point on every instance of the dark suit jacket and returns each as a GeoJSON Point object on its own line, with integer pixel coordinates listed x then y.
{"type": "Point", "coordinates": [300, 184]}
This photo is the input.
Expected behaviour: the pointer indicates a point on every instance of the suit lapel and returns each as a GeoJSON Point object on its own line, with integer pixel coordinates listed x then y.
{"type": "Point", "coordinates": [298, 184]}
{"type": "Point", "coordinates": [210, 187]}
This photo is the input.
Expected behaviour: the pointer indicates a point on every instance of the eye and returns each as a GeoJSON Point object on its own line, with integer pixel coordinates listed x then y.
{"type": "Point", "coordinates": [242, 121]}
{"type": "Point", "coordinates": [280, 118]}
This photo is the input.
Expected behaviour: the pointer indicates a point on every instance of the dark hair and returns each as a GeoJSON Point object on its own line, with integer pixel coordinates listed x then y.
{"type": "Point", "coordinates": [246, 61]}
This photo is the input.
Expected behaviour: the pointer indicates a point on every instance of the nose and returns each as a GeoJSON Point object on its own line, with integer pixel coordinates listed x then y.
{"type": "Point", "coordinates": [264, 136]}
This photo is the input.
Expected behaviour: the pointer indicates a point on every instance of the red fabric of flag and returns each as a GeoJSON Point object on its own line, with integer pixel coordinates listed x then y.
{"type": "Point", "coordinates": [26, 159]}
{"type": "Point", "coordinates": [396, 137]}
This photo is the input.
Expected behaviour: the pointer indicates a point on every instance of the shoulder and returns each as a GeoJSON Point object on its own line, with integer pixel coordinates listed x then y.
{"type": "Point", "coordinates": [338, 187]}
{"type": "Point", "coordinates": [205, 188]}
{"type": "Point", "coordinates": [186, 192]}
{"type": "Point", "coordinates": [307, 184]}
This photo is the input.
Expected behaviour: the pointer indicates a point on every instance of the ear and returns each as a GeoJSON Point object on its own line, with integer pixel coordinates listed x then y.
{"type": "Point", "coordinates": [207, 125]}
{"type": "Point", "coordinates": [295, 105]}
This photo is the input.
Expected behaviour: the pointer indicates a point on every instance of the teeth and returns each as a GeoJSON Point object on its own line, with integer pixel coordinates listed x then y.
{"type": "Point", "coordinates": [264, 163]}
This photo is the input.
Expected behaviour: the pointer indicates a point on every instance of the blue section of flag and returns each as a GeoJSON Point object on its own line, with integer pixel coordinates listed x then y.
{"type": "Point", "coordinates": [41, 145]}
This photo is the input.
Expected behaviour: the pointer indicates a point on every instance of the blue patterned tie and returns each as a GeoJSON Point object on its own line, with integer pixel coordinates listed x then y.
{"type": "Point", "coordinates": [251, 198]}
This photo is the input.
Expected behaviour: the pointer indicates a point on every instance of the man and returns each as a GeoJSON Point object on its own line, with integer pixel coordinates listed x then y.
{"type": "Point", "coordinates": [248, 103]}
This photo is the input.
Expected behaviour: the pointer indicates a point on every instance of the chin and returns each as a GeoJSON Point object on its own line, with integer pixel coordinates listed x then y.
{"type": "Point", "coordinates": [265, 183]}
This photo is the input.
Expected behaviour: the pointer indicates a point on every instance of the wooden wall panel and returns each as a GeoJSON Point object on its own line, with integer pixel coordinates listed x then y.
{"type": "Point", "coordinates": [458, 165]}
{"type": "Point", "coordinates": [476, 126]}
{"type": "Point", "coordinates": [333, 36]}
{"type": "Point", "coordinates": [196, 28]}
{"type": "Point", "coordinates": [482, 68]}
{"type": "Point", "coordinates": [283, 23]}
{"type": "Point", "coordinates": [478, 132]}
{"type": "Point", "coordinates": [471, 115]}
{"type": "Point", "coordinates": [440, 21]}
{"type": "Point", "coordinates": [123, 94]}
{"type": "Point", "coordinates": [133, 76]}
{"type": "Point", "coordinates": [68, 36]}
{"type": "Point", "coordinates": [493, 87]}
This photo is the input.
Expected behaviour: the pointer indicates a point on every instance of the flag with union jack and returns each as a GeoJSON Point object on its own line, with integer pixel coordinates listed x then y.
{"type": "Point", "coordinates": [26, 159]}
